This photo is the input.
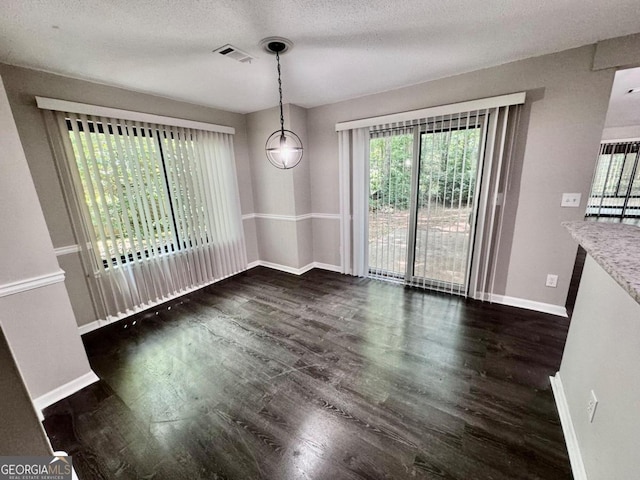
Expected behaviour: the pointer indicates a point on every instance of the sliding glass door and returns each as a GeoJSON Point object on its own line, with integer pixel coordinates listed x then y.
{"type": "Point", "coordinates": [422, 202]}
{"type": "Point", "coordinates": [390, 169]}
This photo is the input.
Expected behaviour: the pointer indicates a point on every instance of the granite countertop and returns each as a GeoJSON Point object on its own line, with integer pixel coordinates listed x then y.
{"type": "Point", "coordinates": [615, 247]}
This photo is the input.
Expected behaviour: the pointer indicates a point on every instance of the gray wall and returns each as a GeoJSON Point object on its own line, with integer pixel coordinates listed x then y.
{"type": "Point", "coordinates": [23, 85]}
{"type": "Point", "coordinates": [602, 354]}
{"type": "Point", "coordinates": [21, 432]}
{"type": "Point", "coordinates": [36, 316]}
{"type": "Point", "coordinates": [559, 137]}
{"type": "Point", "coordinates": [281, 195]}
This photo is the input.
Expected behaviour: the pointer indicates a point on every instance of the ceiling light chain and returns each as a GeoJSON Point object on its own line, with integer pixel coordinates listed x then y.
{"type": "Point", "coordinates": [280, 93]}
{"type": "Point", "coordinates": [283, 148]}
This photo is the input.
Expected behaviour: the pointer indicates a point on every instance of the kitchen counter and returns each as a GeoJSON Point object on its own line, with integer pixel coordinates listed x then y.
{"type": "Point", "coordinates": [615, 247]}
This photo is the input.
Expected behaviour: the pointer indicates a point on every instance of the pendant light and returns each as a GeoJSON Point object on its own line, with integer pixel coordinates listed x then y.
{"type": "Point", "coordinates": [283, 148]}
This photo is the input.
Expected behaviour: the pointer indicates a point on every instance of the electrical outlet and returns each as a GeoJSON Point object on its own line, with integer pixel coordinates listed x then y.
{"type": "Point", "coordinates": [591, 406]}
{"type": "Point", "coordinates": [571, 200]}
{"type": "Point", "coordinates": [552, 280]}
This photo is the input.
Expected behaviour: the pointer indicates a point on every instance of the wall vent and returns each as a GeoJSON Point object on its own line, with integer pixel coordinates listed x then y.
{"type": "Point", "coordinates": [235, 53]}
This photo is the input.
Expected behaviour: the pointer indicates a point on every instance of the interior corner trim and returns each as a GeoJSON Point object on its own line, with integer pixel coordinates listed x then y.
{"type": "Point", "coordinates": [31, 283]}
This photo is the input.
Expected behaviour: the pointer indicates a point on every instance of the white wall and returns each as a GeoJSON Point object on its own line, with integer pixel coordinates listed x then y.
{"type": "Point", "coordinates": [35, 311]}
{"type": "Point", "coordinates": [559, 136]}
{"type": "Point", "coordinates": [602, 354]}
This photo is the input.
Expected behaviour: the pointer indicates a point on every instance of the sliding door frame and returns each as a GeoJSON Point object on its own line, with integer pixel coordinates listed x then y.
{"type": "Point", "coordinates": [492, 182]}
{"type": "Point", "coordinates": [480, 121]}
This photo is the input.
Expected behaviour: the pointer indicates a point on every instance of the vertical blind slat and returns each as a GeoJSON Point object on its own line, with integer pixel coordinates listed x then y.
{"type": "Point", "coordinates": [160, 206]}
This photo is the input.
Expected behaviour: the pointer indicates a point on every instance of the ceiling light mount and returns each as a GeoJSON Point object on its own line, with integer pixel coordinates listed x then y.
{"type": "Point", "coordinates": [283, 148]}
{"type": "Point", "coordinates": [275, 45]}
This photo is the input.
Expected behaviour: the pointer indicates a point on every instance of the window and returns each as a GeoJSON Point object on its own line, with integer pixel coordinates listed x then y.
{"type": "Point", "coordinates": [615, 190]}
{"type": "Point", "coordinates": [155, 207]}
{"type": "Point", "coordinates": [125, 186]}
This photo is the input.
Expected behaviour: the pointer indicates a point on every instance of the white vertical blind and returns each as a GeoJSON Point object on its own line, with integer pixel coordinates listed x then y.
{"type": "Point", "coordinates": [484, 133]}
{"type": "Point", "coordinates": [354, 190]}
{"type": "Point", "coordinates": [449, 159]}
{"type": "Point", "coordinates": [159, 207]}
{"type": "Point", "coordinates": [344, 156]}
{"type": "Point", "coordinates": [360, 200]}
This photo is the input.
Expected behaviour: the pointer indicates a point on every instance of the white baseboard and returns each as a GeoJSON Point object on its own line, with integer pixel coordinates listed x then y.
{"type": "Point", "coordinates": [64, 391]}
{"type": "Point", "coordinates": [526, 304]}
{"type": "Point", "coordinates": [575, 457]}
{"type": "Point", "coordinates": [96, 324]}
{"type": "Point", "coordinates": [328, 267]}
{"type": "Point", "coordinates": [253, 264]}
{"type": "Point", "coordinates": [293, 270]}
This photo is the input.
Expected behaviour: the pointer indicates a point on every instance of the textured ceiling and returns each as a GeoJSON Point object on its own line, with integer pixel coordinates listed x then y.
{"type": "Point", "coordinates": [343, 49]}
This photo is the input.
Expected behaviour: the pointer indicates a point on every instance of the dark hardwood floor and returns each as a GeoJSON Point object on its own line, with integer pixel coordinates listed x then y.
{"type": "Point", "coordinates": [271, 376]}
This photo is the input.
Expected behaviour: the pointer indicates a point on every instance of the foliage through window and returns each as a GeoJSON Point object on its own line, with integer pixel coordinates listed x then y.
{"type": "Point", "coordinates": [140, 188]}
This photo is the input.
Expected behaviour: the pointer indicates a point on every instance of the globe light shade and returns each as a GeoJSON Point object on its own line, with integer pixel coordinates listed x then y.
{"type": "Point", "coordinates": [284, 149]}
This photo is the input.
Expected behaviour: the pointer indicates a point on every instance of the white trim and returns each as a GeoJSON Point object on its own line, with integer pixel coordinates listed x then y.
{"type": "Point", "coordinates": [96, 324]}
{"type": "Point", "coordinates": [31, 283]}
{"type": "Point", "coordinates": [327, 216]}
{"type": "Point", "coordinates": [327, 266]}
{"type": "Point", "coordinates": [291, 218]}
{"type": "Point", "coordinates": [526, 304]}
{"type": "Point", "coordinates": [293, 270]}
{"type": "Point", "coordinates": [480, 104]}
{"type": "Point", "coordinates": [66, 250]}
{"type": "Point", "coordinates": [65, 390]}
{"type": "Point", "coordinates": [570, 438]}
{"type": "Point", "coordinates": [621, 140]}
{"type": "Point", "coordinates": [86, 109]}
{"type": "Point", "coordinates": [285, 268]}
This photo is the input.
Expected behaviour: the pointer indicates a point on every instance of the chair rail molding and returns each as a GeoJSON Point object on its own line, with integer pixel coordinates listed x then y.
{"type": "Point", "coordinates": [31, 283]}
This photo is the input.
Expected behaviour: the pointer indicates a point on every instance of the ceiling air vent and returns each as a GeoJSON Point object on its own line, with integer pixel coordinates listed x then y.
{"type": "Point", "coordinates": [235, 53]}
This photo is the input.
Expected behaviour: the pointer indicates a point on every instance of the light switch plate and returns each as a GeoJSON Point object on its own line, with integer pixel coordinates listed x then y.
{"type": "Point", "coordinates": [571, 200]}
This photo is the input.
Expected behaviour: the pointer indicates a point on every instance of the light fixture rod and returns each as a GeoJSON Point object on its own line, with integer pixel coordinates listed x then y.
{"type": "Point", "coordinates": [280, 93]}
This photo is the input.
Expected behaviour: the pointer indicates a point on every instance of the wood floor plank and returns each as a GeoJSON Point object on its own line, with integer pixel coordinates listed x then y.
{"type": "Point", "coordinates": [267, 375]}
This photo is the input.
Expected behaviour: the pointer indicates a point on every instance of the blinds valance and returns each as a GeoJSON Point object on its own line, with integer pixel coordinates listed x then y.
{"type": "Point", "coordinates": [424, 115]}
{"type": "Point", "coordinates": [57, 105]}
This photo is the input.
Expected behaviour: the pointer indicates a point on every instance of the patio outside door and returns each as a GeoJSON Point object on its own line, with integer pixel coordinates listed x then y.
{"type": "Point", "coordinates": [422, 202]}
